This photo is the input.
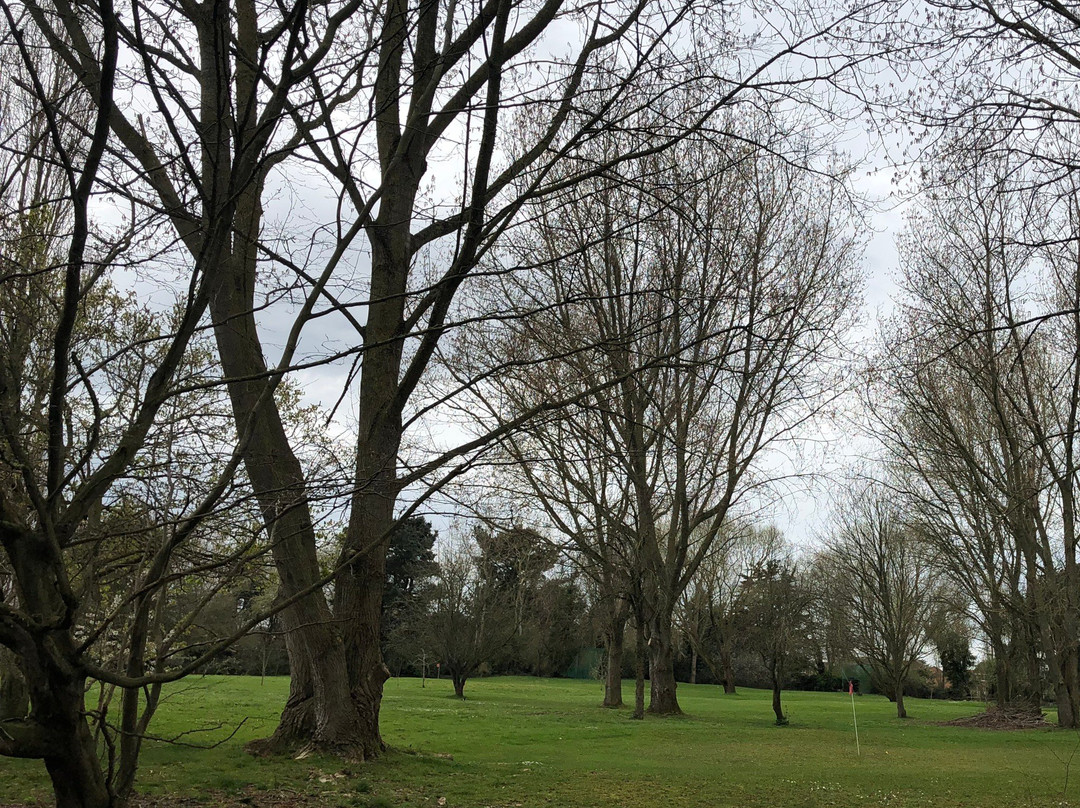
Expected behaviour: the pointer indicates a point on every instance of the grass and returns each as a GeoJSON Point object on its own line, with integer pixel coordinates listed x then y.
{"type": "Point", "coordinates": [531, 742]}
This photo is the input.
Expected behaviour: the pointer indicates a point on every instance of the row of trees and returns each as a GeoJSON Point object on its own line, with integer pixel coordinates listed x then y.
{"type": "Point", "coordinates": [982, 381]}
{"type": "Point", "coordinates": [871, 604]}
{"type": "Point", "coordinates": [500, 212]}
{"type": "Point", "coordinates": [268, 179]}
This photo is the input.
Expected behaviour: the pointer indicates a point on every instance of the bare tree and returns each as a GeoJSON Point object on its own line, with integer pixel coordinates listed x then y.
{"type": "Point", "coordinates": [121, 515]}
{"type": "Point", "coordinates": [472, 618]}
{"type": "Point", "coordinates": [711, 609]}
{"type": "Point", "coordinates": [695, 308]}
{"type": "Point", "coordinates": [773, 603]}
{"type": "Point", "coordinates": [375, 96]}
{"type": "Point", "coordinates": [888, 581]}
{"type": "Point", "coordinates": [985, 382]}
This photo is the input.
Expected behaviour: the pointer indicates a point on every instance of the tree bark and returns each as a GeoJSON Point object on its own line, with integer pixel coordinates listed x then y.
{"type": "Point", "coordinates": [640, 659]}
{"type": "Point", "coordinates": [614, 642]}
{"type": "Point", "coordinates": [776, 706]}
{"type": "Point", "coordinates": [729, 670]}
{"type": "Point", "coordinates": [662, 698]}
{"type": "Point", "coordinates": [1068, 689]}
{"type": "Point", "coordinates": [14, 693]}
{"type": "Point", "coordinates": [901, 712]}
{"type": "Point", "coordinates": [297, 722]}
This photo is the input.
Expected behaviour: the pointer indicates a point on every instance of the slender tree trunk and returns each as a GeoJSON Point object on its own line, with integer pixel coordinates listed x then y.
{"type": "Point", "coordinates": [776, 706]}
{"type": "Point", "coordinates": [901, 712]}
{"type": "Point", "coordinates": [641, 656]}
{"type": "Point", "coordinates": [1002, 685]}
{"type": "Point", "coordinates": [662, 698]}
{"type": "Point", "coordinates": [693, 666]}
{"type": "Point", "coordinates": [614, 642]}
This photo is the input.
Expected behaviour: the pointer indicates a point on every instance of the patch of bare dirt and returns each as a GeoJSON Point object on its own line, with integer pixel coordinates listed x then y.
{"type": "Point", "coordinates": [1002, 718]}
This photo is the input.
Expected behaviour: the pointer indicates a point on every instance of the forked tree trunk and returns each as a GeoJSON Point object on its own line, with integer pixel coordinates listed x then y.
{"type": "Point", "coordinates": [662, 698]}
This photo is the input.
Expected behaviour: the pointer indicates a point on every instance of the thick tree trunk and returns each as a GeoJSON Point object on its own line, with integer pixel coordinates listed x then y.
{"type": "Point", "coordinates": [358, 602]}
{"type": "Point", "coordinates": [56, 730]}
{"type": "Point", "coordinates": [1068, 690]}
{"type": "Point", "coordinates": [279, 486]}
{"type": "Point", "coordinates": [14, 693]}
{"type": "Point", "coordinates": [662, 698]}
{"type": "Point", "coordinates": [76, 772]}
{"type": "Point", "coordinates": [900, 711]}
{"type": "Point", "coordinates": [57, 693]}
{"type": "Point", "coordinates": [459, 686]}
{"type": "Point", "coordinates": [58, 734]}
{"type": "Point", "coordinates": [359, 586]}
{"type": "Point", "coordinates": [296, 726]}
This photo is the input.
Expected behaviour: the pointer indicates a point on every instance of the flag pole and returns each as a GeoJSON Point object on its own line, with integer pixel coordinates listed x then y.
{"type": "Point", "coordinates": [851, 692]}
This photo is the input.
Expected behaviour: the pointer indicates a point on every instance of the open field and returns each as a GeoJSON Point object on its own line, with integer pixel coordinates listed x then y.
{"type": "Point", "coordinates": [531, 742]}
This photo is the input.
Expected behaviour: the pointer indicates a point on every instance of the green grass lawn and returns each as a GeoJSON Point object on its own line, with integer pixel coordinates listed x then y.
{"type": "Point", "coordinates": [532, 742]}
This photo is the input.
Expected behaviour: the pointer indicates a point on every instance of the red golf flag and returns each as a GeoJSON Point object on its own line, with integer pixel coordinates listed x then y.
{"type": "Point", "coordinates": [851, 687]}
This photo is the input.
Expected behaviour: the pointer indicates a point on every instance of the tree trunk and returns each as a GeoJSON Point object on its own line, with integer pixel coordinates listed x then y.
{"type": "Point", "coordinates": [1002, 685]}
{"type": "Point", "coordinates": [900, 711]}
{"type": "Point", "coordinates": [662, 699]}
{"type": "Point", "coordinates": [614, 642]}
{"type": "Point", "coordinates": [693, 667]}
{"type": "Point", "coordinates": [359, 601]}
{"type": "Point", "coordinates": [59, 709]}
{"type": "Point", "coordinates": [459, 686]}
{"type": "Point", "coordinates": [776, 706]}
{"type": "Point", "coordinates": [76, 772]}
{"type": "Point", "coordinates": [729, 669]}
{"type": "Point", "coordinates": [14, 694]}
{"type": "Point", "coordinates": [1068, 690]}
{"type": "Point", "coordinates": [56, 731]}
{"type": "Point", "coordinates": [297, 722]}
{"type": "Point", "coordinates": [640, 659]}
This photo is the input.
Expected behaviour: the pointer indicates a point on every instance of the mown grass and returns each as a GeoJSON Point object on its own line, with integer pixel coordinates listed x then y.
{"type": "Point", "coordinates": [530, 742]}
